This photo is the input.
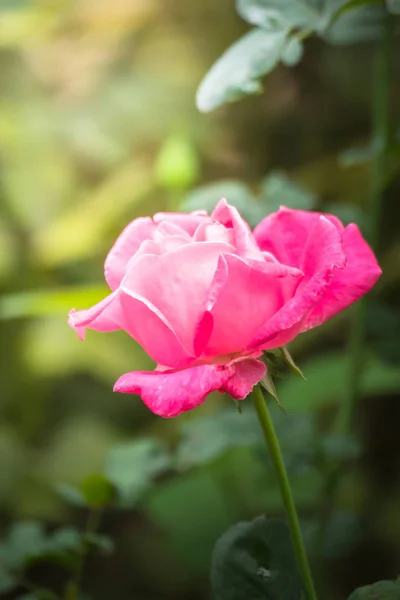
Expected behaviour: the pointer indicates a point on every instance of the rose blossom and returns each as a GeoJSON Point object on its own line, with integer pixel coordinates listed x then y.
{"type": "Point", "coordinates": [204, 296]}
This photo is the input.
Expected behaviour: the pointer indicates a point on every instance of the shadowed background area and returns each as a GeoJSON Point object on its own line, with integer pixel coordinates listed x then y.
{"type": "Point", "coordinates": [99, 125]}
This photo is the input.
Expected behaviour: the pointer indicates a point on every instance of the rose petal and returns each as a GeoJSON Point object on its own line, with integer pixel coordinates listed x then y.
{"type": "Point", "coordinates": [286, 234]}
{"type": "Point", "coordinates": [177, 284]}
{"type": "Point", "coordinates": [245, 243]}
{"type": "Point", "coordinates": [124, 248]}
{"type": "Point", "coordinates": [144, 322]}
{"type": "Point", "coordinates": [103, 316]}
{"type": "Point", "coordinates": [186, 221]}
{"type": "Point", "coordinates": [243, 296]}
{"type": "Point", "coordinates": [170, 393]}
{"type": "Point", "coordinates": [350, 283]}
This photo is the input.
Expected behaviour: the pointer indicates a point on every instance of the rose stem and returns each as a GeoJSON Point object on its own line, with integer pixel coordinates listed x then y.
{"type": "Point", "coordinates": [285, 489]}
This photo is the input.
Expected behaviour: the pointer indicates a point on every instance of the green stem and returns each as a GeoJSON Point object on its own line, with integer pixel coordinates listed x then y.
{"type": "Point", "coordinates": [73, 586]}
{"type": "Point", "coordinates": [285, 489]}
{"type": "Point", "coordinates": [381, 138]}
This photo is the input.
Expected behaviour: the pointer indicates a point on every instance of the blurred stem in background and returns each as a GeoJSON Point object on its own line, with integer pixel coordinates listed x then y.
{"type": "Point", "coordinates": [381, 138]}
{"type": "Point", "coordinates": [72, 590]}
{"type": "Point", "coordinates": [285, 489]}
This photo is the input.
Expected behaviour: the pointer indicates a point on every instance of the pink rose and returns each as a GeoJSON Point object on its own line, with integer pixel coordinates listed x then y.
{"type": "Point", "coordinates": [204, 296]}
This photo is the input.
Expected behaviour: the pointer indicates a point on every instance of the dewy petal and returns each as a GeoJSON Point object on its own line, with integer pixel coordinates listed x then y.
{"type": "Point", "coordinates": [149, 327]}
{"type": "Point", "coordinates": [177, 284]}
{"type": "Point", "coordinates": [104, 316]}
{"type": "Point", "coordinates": [350, 283]}
{"type": "Point", "coordinates": [243, 296]}
{"type": "Point", "coordinates": [245, 243]}
{"type": "Point", "coordinates": [186, 221]}
{"type": "Point", "coordinates": [170, 393]}
{"type": "Point", "coordinates": [124, 248]}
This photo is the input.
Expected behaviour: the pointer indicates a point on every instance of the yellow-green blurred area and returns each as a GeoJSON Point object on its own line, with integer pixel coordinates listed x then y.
{"type": "Point", "coordinates": [98, 125]}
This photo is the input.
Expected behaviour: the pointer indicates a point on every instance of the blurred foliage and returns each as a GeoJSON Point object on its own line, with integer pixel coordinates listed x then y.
{"type": "Point", "coordinates": [98, 125]}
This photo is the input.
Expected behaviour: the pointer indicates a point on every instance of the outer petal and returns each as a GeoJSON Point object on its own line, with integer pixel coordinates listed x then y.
{"type": "Point", "coordinates": [322, 257]}
{"type": "Point", "coordinates": [245, 243]}
{"type": "Point", "coordinates": [149, 327]}
{"type": "Point", "coordinates": [243, 298]}
{"type": "Point", "coordinates": [177, 284]}
{"type": "Point", "coordinates": [170, 393]}
{"type": "Point", "coordinates": [286, 232]}
{"type": "Point", "coordinates": [350, 283]}
{"type": "Point", "coordinates": [104, 316]}
{"type": "Point", "coordinates": [124, 248]}
{"type": "Point", "coordinates": [186, 221]}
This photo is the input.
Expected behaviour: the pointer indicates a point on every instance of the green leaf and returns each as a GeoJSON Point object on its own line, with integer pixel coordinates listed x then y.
{"type": "Point", "coordinates": [7, 579]}
{"type": "Point", "coordinates": [381, 590]}
{"type": "Point", "coordinates": [177, 165]}
{"type": "Point", "coordinates": [238, 71]}
{"type": "Point", "coordinates": [293, 51]}
{"type": "Point", "coordinates": [204, 440]}
{"type": "Point", "coordinates": [71, 494]}
{"type": "Point", "coordinates": [359, 155]}
{"type": "Point", "coordinates": [339, 447]}
{"type": "Point", "coordinates": [97, 491]}
{"type": "Point", "coordinates": [327, 382]}
{"type": "Point", "coordinates": [132, 468]}
{"type": "Point", "coordinates": [281, 13]}
{"type": "Point", "coordinates": [236, 193]}
{"type": "Point", "coordinates": [50, 302]}
{"type": "Point", "coordinates": [255, 560]}
{"type": "Point", "coordinates": [358, 24]}
{"type": "Point", "coordinates": [278, 190]}
{"type": "Point", "coordinates": [101, 543]}
{"type": "Point", "coordinates": [25, 540]}
{"type": "Point", "coordinates": [393, 6]}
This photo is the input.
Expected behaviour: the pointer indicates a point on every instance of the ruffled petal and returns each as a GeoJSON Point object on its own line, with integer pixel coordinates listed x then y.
{"type": "Point", "coordinates": [244, 242]}
{"type": "Point", "coordinates": [243, 296]}
{"type": "Point", "coordinates": [186, 221]}
{"type": "Point", "coordinates": [124, 248]}
{"type": "Point", "coordinates": [177, 284]}
{"type": "Point", "coordinates": [286, 233]}
{"type": "Point", "coordinates": [350, 283]}
{"type": "Point", "coordinates": [170, 393]}
{"type": "Point", "coordinates": [104, 316]}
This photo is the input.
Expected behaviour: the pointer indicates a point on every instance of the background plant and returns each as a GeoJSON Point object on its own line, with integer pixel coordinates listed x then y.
{"type": "Point", "coordinates": [98, 124]}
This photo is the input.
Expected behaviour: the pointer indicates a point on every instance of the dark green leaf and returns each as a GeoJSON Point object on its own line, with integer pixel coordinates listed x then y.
{"type": "Point", "coordinates": [132, 468]}
{"type": "Point", "coordinates": [255, 560]}
{"type": "Point", "coordinates": [238, 71]}
{"type": "Point", "coordinates": [327, 382]}
{"type": "Point", "coordinates": [204, 440]}
{"type": "Point", "coordinates": [235, 192]}
{"type": "Point", "coordinates": [361, 24]}
{"type": "Point", "coordinates": [339, 447]}
{"type": "Point", "coordinates": [7, 579]}
{"type": "Point", "coordinates": [25, 540]}
{"type": "Point", "coordinates": [100, 543]}
{"type": "Point", "coordinates": [278, 190]}
{"type": "Point", "coordinates": [97, 491]}
{"type": "Point", "coordinates": [381, 590]}
{"type": "Point", "coordinates": [281, 13]}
